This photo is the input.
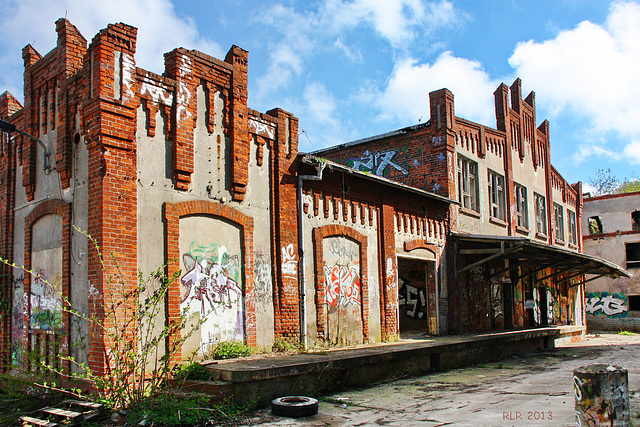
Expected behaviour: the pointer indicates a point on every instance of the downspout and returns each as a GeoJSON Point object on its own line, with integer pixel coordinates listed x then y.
{"type": "Point", "coordinates": [301, 270]}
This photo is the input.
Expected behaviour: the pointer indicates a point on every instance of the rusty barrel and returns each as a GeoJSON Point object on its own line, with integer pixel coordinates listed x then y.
{"type": "Point", "coordinates": [602, 395]}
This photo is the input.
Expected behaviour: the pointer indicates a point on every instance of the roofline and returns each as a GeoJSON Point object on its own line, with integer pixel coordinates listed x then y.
{"type": "Point", "coordinates": [610, 196]}
{"type": "Point", "coordinates": [312, 160]}
{"type": "Point", "coordinates": [373, 138]}
{"type": "Point", "coordinates": [530, 242]}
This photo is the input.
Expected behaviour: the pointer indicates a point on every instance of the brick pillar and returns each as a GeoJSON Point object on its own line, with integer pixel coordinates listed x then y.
{"type": "Point", "coordinates": [30, 122]}
{"type": "Point", "coordinates": [444, 121]}
{"type": "Point", "coordinates": [389, 274]}
{"type": "Point", "coordinates": [110, 119]}
{"type": "Point", "coordinates": [239, 122]}
{"type": "Point", "coordinates": [8, 106]}
{"type": "Point", "coordinates": [285, 243]}
{"type": "Point", "coordinates": [179, 65]}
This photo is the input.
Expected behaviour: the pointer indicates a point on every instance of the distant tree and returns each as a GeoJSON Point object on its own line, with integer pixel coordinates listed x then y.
{"type": "Point", "coordinates": [604, 182]}
{"type": "Point", "coordinates": [629, 186]}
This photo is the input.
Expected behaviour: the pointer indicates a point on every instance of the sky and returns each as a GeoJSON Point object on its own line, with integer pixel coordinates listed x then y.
{"type": "Point", "coordinates": [349, 69]}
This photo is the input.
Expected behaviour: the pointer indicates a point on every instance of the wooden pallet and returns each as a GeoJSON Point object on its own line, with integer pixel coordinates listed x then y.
{"type": "Point", "coordinates": [71, 412]}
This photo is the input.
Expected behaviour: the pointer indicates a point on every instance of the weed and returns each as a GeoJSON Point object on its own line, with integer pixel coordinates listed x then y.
{"type": "Point", "coordinates": [192, 371]}
{"type": "Point", "coordinates": [500, 365]}
{"type": "Point", "coordinates": [281, 345]}
{"type": "Point", "coordinates": [626, 333]}
{"type": "Point", "coordinates": [230, 350]}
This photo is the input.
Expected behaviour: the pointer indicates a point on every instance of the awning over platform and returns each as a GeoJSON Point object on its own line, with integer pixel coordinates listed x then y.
{"type": "Point", "coordinates": [536, 256]}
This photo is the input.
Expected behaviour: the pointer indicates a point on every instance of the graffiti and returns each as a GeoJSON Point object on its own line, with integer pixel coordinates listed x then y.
{"type": "Point", "coordinates": [615, 305]}
{"type": "Point", "coordinates": [496, 299]}
{"type": "Point", "coordinates": [342, 286]}
{"type": "Point", "coordinates": [377, 162]}
{"type": "Point", "coordinates": [184, 95]}
{"type": "Point", "coordinates": [262, 276]}
{"type": "Point", "coordinates": [156, 93]}
{"type": "Point", "coordinates": [342, 248]}
{"type": "Point", "coordinates": [128, 70]}
{"type": "Point", "coordinates": [536, 306]}
{"type": "Point", "coordinates": [46, 302]}
{"type": "Point", "coordinates": [437, 140]}
{"type": "Point", "coordinates": [413, 297]}
{"type": "Point", "coordinates": [289, 262]}
{"type": "Point", "coordinates": [602, 396]}
{"type": "Point", "coordinates": [207, 282]}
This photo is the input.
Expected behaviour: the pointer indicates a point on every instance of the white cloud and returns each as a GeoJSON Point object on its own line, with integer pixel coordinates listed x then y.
{"type": "Point", "coordinates": [398, 22]}
{"type": "Point", "coordinates": [318, 117]}
{"type": "Point", "coordinates": [590, 72]}
{"type": "Point", "coordinates": [406, 96]}
{"type": "Point", "coordinates": [160, 29]}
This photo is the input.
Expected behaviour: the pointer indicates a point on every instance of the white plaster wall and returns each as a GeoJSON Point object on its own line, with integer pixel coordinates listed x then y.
{"type": "Point", "coordinates": [211, 182]}
{"type": "Point", "coordinates": [371, 232]}
{"type": "Point", "coordinates": [614, 211]}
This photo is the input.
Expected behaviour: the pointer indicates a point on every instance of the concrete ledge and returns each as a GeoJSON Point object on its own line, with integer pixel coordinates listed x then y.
{"type": "Point", "coordinates": [319, 372]}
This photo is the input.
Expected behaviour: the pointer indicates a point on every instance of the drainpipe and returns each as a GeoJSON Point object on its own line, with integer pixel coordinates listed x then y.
{"type": "Point", "coordinates": [301, 270]}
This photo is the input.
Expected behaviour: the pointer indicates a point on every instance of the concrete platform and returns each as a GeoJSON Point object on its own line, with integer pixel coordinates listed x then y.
{"type": "Point", "coordinates": [262, 379]}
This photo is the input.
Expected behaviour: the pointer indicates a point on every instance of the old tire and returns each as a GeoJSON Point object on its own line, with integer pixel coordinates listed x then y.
{"type": "Point", "coordinates": [294, 406]}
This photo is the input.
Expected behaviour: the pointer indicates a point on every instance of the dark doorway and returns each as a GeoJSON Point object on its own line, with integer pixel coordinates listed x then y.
{"type": "Point", "coordinates": [416, 296]}
{"type": "Point", "coordinates": [544, 307]}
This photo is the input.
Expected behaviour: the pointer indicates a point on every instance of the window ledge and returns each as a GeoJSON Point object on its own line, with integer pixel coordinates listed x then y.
{"type": "Point", "coordinates": [541, 236]}
{"type": "Point", "coordinates": [470, 212]}
{"type": "Point", "coordinates": [522, 230]}
{"type": "Point", "coordinates": [497, 221]}
{"type": "Point", "coordinates": [560, 242]}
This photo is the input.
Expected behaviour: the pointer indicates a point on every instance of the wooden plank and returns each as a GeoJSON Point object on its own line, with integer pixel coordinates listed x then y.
{"type": "Point", "coordinates": [74, 417]}
{"type": "Point", "coordinates": [36, 421]}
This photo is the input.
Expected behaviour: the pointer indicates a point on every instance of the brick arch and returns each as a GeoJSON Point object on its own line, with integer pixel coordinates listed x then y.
{"type": "Point", "coordinates": [319, 234]}
{"type": "Point", "coordinates": [41, 339]}
{"type": "Point", "coordinates": [420, 244]}
{"type": "Point", "coordinates": [172, 213]}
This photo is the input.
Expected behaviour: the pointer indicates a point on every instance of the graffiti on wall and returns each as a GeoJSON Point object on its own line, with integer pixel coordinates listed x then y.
{"type": "Point", "coordinates": [376, 163]}
{"type": "Point", "coordinates": [496, 298]}
{"type": "Point", "coordinates": [413, 297]}
{"type": "Point", "coordinates": [210, 281]}
{"type": "Point", "coordinates": [342, 286]}
{"type": "Point", "coordinates": [289, 261]}
{"type": "Point", "coordinates": [611, 305]}
{"type": "Point", "coordinates": [262, 276]}
{"type": "Point", "coordinates": [46, 302]}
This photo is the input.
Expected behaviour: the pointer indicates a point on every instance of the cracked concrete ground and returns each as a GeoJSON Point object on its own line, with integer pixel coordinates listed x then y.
{"type": "Point", "coordinates": [533, 390]}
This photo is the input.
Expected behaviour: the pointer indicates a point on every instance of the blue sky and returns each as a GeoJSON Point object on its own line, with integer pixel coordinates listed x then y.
{"type": "Point", "coordinates": [355, 68]}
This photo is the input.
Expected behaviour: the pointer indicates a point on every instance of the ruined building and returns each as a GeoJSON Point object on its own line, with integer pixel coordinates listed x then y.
{"type": "Point", "coordinates": [445, 227]}
{"type": "Point", "coordinates": [611, 230]}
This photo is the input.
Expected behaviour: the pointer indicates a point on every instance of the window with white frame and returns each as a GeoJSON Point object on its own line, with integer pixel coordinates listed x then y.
{"type": "Point", "coordinates": [573, 230]}
{"type": "Point", "coordinates": [541, 214]}
{"type": "Point", "coordinates": [496, 196]}
{"type": "Point", "coordinates": [558, 212]}
{"type": "Point", "coordinates": [468, 183]}
{"type": "Point", "coordinates": [522, 209]}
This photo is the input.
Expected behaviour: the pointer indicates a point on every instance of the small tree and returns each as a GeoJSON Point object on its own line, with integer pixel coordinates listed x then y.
{"type": "Point", "coordinates": [604, 182]}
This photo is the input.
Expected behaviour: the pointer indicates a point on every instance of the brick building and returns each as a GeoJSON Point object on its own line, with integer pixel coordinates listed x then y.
{"type": "Point", "coordinates": [415, 230]}
{"type": "Point", "coordinates": [611, 229]}
{"type": "Point", "coordinates": [513, 256]}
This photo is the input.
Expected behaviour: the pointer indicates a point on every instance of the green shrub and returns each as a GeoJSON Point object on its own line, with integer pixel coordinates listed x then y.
{"type": "Point", "coordinates": [231, 350]}
{"type": "Point", "coordinates": [192, 371]}
{"type": "Point", "coordinates": [281, 345]}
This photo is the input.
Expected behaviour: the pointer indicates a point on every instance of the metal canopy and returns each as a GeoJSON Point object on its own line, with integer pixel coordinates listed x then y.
{"type": "Point", "coordinates": [522, 251]}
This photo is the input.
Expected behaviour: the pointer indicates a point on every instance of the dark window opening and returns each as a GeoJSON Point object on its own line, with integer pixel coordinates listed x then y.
{"type": "Point", "coordinates": [633, 255]}
{"type": "Point", "coordinates": [634, 302]}
{"type": "Point", "coordinates": [595, 225]}
{"type": "Point", "coordinates": [635, 220]}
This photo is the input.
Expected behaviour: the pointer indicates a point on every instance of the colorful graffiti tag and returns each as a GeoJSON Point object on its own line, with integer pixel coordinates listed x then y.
{"type": "Point", "coordinates": [342, 286]}
{"type": "Point", "coordinates": [208, 281]}
{"type": "Point", "coordinates": [612, 305]}
{"type": "Point", "coordinates": [376, 163]}
{"type": "Point", "coordinates": [46, 302]}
